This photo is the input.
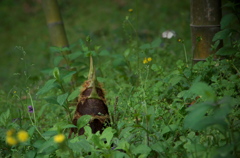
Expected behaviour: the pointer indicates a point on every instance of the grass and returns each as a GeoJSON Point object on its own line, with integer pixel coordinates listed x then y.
{"type": "Point", "coordinates": [104, 22]}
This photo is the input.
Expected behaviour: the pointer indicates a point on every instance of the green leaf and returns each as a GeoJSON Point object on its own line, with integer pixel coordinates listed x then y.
{"type": "Point", "coordinates": [203, 90]}
{"type": "Point", "coordinates": [194, 119]}
{"type": "Point", "coordinates": [30, 154]}
{"type": "Point", "coordinates": [83, 120]}
{"type": "Point", "coordinates": [55, 49]}
{"type": "Point", "coordinates": [158, 147]}
{"type": "Point", "coordinates": [156, 43]}
{"type": "Point", "coordinates": [126, 53]}
{"type": "Point", "coordinates": [80, 143]}
{"type": "Point", "coordinates": [145, 46]}
{"type": "Point", "coordinates": [226, 20]}
{"type": "Point", "coordinates": [222, 34]}
{"type": "Point", "coordinates": [4, 117]}
{"type": "Point", "coordinates": [108, 135]}
{"type": "Point", "coordinates": [123, 144]}
{"type": "Point", "coordinates": [104, 53]}
{"type": "Point", "coordinates": [75, 55]}
{"type": "Point", "coordinates": [174, 80]}
{"type": "Point", "coordinates": [68, 126]}
{"type": "Point", "coordinates": [48, 86]}
{"type": "Point", "coordinates": [51, 100]}
{"type": "Point", "coordinates": [142, 149]}
{"type": "Point", "coordinates": [227, 50]}
{"type": "Point", "coordinates": [67, 78]}
{"type": "Point", "coordinates": [62, 98]}
{"type": "Point", "coordinates": [169, 128]}
{"type": "Point", "coordinates": [47, 147]}
{"type": "Point", "coordinates": [57, 60]}
{"type": "Point", "coordinates": [194, 147]}
{"type": "Point", "coordinates": [74, 94]}
{"type": "Point", "coordinates": [56, 73]}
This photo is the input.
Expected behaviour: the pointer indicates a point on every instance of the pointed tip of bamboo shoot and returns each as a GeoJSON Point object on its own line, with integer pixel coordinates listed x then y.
{"type": "Point", "coordinates": [91, 69]}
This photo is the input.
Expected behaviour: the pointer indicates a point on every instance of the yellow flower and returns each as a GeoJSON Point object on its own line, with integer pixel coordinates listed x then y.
{"type": "Point", "coordinates": [130, 10]}
{"type": "Point", "coordinates": [22, 136]}
{"type": "Point", "coordinates": [10, 132]}
{"type": "Point", "coordinates": [145, 61]}
{"type": "Point", "coordinates": [14, 92]}
{"type": "Point", "coordinates": [59, 138]}
{"type": "Point", "coordinates": [149, 59]}
{"type": "Point", "coordinates": [11, 140]}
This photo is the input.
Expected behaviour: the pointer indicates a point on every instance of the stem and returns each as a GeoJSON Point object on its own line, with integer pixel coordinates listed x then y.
{"type": "Point", "coordinates": [146, 109]}
{"type": "Point", "coordinates": [34, 116]}
{"type": "Point", "coordinates": [185, 52]}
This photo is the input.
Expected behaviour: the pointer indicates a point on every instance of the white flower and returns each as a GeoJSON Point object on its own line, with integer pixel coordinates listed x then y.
{"type": "Point", "coordinates": [168, 34]}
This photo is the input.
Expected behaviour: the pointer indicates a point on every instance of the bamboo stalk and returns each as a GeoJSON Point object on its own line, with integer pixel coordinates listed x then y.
{"type": "Point", "coordinates": [55, 24]}
{"type": "Point", "coordinates": [205, 23]}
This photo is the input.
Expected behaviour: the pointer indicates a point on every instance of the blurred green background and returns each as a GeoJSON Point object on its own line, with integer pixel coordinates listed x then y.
{"type": "Point", "coordinates": [25, 40]}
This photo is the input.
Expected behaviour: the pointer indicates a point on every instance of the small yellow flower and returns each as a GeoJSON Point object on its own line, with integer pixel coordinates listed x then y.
{"type": "Point", "coordinates": [149, 59]}
{"type": "Point", "coordinates": [22, 136]}
{"type": "Point", "coordinates": [10, 132]}
{"type": "Point", "coordinates": [14, 92]}
{"type": "Point", "coordinates": [130, 10]}
{"type": "Point", "coordinates": [59, 138]}
{"type": "Point", "coordinates": [145, 61]}
{"type": "Point", "coordinates": [11, 140]}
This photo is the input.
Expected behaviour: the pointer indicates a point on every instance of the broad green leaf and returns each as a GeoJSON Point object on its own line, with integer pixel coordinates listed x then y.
{"type": "Point", "coordinates": [158, 147]}
{"type": "Point", "coordinates": [74, 94]}
{"type": "Point", "coordinates": [145, 46]}
{"type": "Point", "coordinates": [203, 90]}
{"type": "Point", "coordinates": [194, 147]}
{"type": "Point", "coordinates": [197, 115]}
{"type": "Point", "coordinates": [175, 80]}
{"type": "Point", "coordinates": [169, 128]}
{"type": "Point", "coordinates": [57, 60]}
{"type": "Point", "coordinates": [222, 34]}
{"type": "Point", "coordinates": [142, 149]}
{"type": "Point", "coordinates": [123, 144]}
{"type": "Point", "coordinates": [227, 51]}
{"type": "Point", "coordinates": [156, 43]}
{"type": "Point", "coordinates": [83, 120]}
{"type": "Point", "coordinates": [108, 135]}
{"type": "Point", "coordinates": [75, 55]}
{"type": "Point", "coordinates": [48, 86]}
{"type": "Point", "coordinates": [55, 49]}
{"type": "Point", "coordinates": [62, 98]}
{"type": "Point", "coordinates": [52, 100]}
{"type": "Point", "coordinates": [30, 154]}
{"type": "Point", "coordinates": [68, 77]}
{"type": "Point", "coordinates": [227, 19]}
{"type": "Point", "coordinates": [80, 143]}
{"type": "Point", "coordinates": [97, 141]}
{"type": "Point", "coordinates": [47, 147]}
{"type": "Point", "coordinates": [104, 53]}
{"type": "Point", "coordinates": [62, 153]}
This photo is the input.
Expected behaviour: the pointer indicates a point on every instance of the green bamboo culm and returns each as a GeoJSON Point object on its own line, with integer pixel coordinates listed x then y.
{"type": "Point", "coordinates": [205, 23]}
{"type": "Point", "coordinates": [55, 24]}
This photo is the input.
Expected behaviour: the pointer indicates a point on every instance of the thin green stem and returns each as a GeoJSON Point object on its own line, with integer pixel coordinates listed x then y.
{"type": "Point", "coordinates": [34, 117]}
{"type": "Point", "coordinates": [185, 52]}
